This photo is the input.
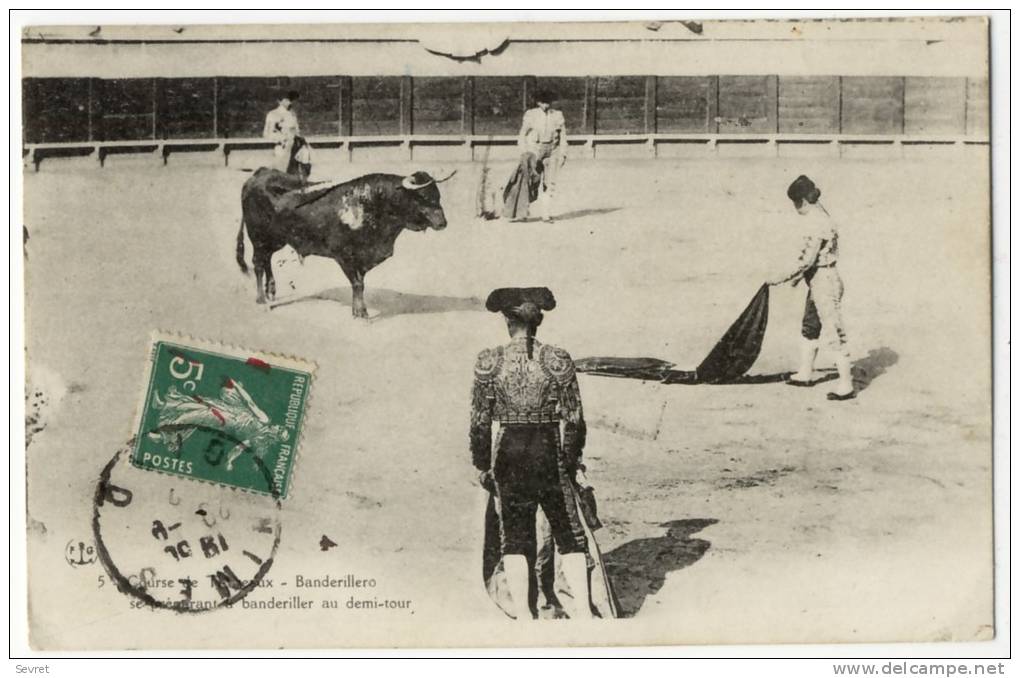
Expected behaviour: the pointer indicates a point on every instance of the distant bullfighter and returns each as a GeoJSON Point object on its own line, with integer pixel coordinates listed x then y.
{"type": "Point", "coordinates": [355, 223]}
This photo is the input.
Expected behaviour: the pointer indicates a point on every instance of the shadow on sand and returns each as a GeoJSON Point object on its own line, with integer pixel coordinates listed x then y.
{"type": "Point", "coordinates": [638, 568]}
{"type": "Point", "coordinates": [567, 216]}
{"type": "Point", "coordinates": [757, 379]}
{"type": "Point", "coordinates": [577, 214]}
{"type": "Point", "coordinates": [865, 370]}
{"type": "Point", "coordinates": [827, 374]}
{"type": "Point", "coordinates": [872, 366]}
{"type": "Point", "coordinates": [383, 303]}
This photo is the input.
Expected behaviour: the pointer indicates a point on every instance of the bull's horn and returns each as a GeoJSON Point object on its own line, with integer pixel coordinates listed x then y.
{"type": "Point", "coordinates": [448, 176]}
{"type": "Point", "coordinates": [408, 183]}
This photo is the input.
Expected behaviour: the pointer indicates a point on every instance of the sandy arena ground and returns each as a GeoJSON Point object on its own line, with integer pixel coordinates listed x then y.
{"type": "Point", "coordinates": [740, 513]}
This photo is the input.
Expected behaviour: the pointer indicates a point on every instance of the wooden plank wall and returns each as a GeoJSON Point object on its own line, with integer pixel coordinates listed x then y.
{"type": "Point", "coordinates": [188, 109]}
{"type": "Point", "coordinates": [318, 105]}
{"type": "Point", "coordinates": [242, 104]}
{"type": "Point", "coordinates": [128, 109]}
{"type": "Point", "coordinates": [375, 106]}
{"type": "Point", "coordinates": [686, 104]}
{"type": "Point", "coordinates": [91, 109]}
{"type": "Point", "coordinates": [498, 103]}
{"type": "Point", "coordinates": [977, 106]}
{"type": "Point", "coordinates": [56, 109]}
{"type": "Point", "coordinates": [809, 105]}
{"type": "Point", "coordinates": [437, 106]}
{"type": "Point", "coordinates": [620, 105]}
{"type": "Point", "coordinates": [873, 105]}
{"type": "Point", "coordinates": [934, 106]}
{"type": "Point", "coordinates": [747, 104]}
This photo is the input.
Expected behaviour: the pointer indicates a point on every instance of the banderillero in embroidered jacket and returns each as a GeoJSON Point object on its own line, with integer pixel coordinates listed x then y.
{"type": "Point", "coordinates": [511, 388]}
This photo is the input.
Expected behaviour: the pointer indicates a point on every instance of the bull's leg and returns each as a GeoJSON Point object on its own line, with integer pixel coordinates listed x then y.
{"type": "Point", "coordinates": [358, 308]}
{"type": "Point", "coordinates": [357, 278]}
{"type": "Point", "coordinates": [263, 262]}
{"type": "Point", "coordinates": [260, 270]}
{"type": "Point", "coordinates": [270, 280]}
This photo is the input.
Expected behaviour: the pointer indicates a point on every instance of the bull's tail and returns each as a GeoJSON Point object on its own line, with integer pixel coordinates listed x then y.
{"type": "Point", "coordinates": [240, 249]}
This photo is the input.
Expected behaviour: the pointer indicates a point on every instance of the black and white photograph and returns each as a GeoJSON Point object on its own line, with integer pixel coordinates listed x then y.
{"type": "Point", "coordinates": [506, 334]}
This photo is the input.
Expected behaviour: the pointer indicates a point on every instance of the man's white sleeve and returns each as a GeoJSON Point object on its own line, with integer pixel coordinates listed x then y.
{"type": "Point", "coordinates": [522, 138]}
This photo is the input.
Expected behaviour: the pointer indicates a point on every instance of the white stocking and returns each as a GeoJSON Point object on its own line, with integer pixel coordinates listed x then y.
{"type": "Point", "coordinates": [575, 570]}
{"type": "Point", "coordinates": [516, 569]}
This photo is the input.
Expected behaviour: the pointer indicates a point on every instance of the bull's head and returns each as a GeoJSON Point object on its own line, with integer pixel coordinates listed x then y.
{"type": "Point", "coordinates": [425, 193]}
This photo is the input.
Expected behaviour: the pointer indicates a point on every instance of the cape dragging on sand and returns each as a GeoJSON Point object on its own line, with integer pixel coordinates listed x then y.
{"type": "Point", "coordinates": [731, 358]}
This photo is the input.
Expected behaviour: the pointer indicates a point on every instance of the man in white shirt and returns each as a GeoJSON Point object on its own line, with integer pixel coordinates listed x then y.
{"type": "Point", "coordinates": [543, 135]}
{"type": "Point", "coordinates": [823, 307]}
{"type": "Point", "coordinates": [282, 127]}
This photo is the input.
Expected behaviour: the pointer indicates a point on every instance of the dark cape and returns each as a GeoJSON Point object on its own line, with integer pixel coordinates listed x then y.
{"type": "Point", "coordinates": [295, 167]}
{"type": "Point", "coordinates": [550, 597]}
{"type": "Point", "coordinates": [731, 358]}
{"type": "Point", "coordinates": [523, 187]}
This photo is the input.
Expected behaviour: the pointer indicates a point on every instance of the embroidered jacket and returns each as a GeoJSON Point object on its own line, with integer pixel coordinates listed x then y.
{"type": "Point", "coordinates": [510, 388]}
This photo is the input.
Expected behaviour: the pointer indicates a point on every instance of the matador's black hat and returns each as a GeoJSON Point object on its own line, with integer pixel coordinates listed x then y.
{"type": "Point", "coordinates": [506, 298]}
{"type": "Point", "coordinates": [803, 189]}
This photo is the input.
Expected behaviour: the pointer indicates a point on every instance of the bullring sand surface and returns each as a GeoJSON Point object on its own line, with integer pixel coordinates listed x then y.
{"type": "Point", "coordinates": [749, 512]}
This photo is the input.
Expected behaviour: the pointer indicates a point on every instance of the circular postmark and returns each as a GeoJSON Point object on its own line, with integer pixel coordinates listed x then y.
{"type": "Point", "coordinates": [183, 544]}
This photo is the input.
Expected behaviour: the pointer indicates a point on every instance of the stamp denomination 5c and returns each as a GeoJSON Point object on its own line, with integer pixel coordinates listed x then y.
{"type": "Point", "coordinates": [222, 415]}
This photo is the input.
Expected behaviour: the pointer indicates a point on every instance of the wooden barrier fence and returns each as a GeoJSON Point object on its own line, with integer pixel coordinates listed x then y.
{"type": "Point", "coordinates": [164, 115]}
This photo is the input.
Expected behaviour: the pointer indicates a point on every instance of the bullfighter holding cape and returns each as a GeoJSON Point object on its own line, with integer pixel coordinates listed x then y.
{"type": "Point", "coordinates": [543, 144]}
{"type": "Point", "coordinates": [291, 154]}
{"type": "Point", "coordinates": [530, 390]}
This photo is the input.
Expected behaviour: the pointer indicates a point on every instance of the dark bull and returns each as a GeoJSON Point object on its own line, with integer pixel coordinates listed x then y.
{"type": "Point", "coordinates": [355, 223]}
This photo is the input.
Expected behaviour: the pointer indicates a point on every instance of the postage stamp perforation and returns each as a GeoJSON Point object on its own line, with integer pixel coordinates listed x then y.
{"type": "Point", "coordinates": [212, 483]}
{"type": "Point", "coordinates": [283, 360]}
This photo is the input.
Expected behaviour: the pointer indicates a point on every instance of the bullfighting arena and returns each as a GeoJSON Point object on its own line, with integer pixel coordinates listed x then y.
{"type": "Point", "coordinates": [750, 511]}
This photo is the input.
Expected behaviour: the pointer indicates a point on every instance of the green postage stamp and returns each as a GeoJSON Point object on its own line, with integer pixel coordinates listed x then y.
{"type": "Point", "coordinates": [222, 415]}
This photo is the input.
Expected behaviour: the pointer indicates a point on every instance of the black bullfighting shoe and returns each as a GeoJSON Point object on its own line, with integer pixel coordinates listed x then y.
{"type": "Point", "coordinates": [790, 381]}
{"type": "Point", "coordinates": [841, 396]}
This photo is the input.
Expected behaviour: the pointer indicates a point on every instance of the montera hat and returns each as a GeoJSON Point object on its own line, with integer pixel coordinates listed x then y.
{"type": "Point", "coordinates": [803, 189]}
{"type": "Point", "coordinates": [508, 298]}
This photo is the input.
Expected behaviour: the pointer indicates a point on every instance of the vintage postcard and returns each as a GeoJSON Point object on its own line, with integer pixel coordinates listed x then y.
{"type": "Point", "coordinates": [507, 334]}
